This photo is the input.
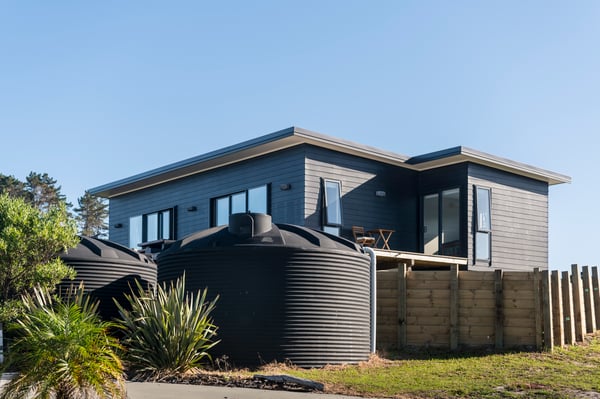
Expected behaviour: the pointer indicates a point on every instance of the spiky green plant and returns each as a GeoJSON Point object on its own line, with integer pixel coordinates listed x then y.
{"type": "Point", "coordinates": [61, 349]}
{"type": "Point", "coordinates": [168, 331]}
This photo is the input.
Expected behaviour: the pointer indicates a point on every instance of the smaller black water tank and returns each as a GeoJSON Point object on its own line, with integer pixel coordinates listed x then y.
{"type": "Point", "coordinates": [107, 270]}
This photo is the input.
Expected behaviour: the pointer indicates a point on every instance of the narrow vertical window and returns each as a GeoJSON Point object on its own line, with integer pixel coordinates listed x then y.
{"type": "Point", "coordinates": [332, 207]}
{"type": "Point", "coordinates": [135, 231]}
{"type": "Point", "coordinates": [257, 200]}
{"type": "Point", "coordinates": [431, 211]}
{"type": "Point", "coordinates": [165, 225]}
{"type": "Point", "coordinates": [222, 211]}
{"type": "Point", "coordinates": [483, 233]}
{"type": "Point", "coordinates": [152, 227]}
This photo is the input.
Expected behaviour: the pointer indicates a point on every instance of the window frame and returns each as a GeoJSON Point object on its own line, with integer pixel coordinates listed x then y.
{"type": "Point", "coordinates": [160, 226]}
{"type": "Point", "coordinates": [440, 195]}
{"type": "Point", "coordinates": [214, 201]}
{"type": "Point", "coordinates": [332, 225]}
{"type": "Point", "coordinates": [482, 229]}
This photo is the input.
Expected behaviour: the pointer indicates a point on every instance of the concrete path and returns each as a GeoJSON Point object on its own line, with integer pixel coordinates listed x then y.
{"type": "Point", "coordinates": [148, 390]}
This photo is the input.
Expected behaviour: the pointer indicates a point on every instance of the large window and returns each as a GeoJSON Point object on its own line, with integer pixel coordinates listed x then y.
{"type": "Point", "coordinates": [441, 223]}
{"type": "Point", "coordinates": [483, 232]}
{"type": "Point", "coordinates": [151, 227]}
{"type": "Point", "coordinates": [332, 206]}
{"type": "Point", "coordinates": [255, 200]}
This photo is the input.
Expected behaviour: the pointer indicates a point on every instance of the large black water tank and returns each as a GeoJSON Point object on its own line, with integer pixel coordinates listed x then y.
{"type": "Point", "coordinates": [107, 270]}
{"type": "Point", "coordinates": [287, 293]}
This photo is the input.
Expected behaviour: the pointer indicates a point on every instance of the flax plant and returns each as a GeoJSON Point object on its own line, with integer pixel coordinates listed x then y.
{"type": "Point", "coordinates": [167, 331]}
{"type": "Point", "coordinates": [61, 349]}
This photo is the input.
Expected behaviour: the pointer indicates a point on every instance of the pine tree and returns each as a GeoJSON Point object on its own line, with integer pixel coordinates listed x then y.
{"type": "Point", "coordinates": [12, 186]}
{"type": "Point", "coordinates": [42, 192]}
{"type": "Point", "coordinates": [92, 215]}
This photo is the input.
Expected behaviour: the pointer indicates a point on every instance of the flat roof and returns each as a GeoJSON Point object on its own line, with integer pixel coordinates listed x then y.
{"type": "Point", "coordinates": [294, 136]}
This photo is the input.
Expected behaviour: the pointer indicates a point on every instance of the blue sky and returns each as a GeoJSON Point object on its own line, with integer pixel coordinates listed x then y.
{"type": "Point", "coordinates": [91, 92]}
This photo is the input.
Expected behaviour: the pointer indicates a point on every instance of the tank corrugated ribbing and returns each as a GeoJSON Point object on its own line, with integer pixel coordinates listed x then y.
{"type": "Point", "coordinates": [308, 305]}
{"type": "Point", "coordinates": [107, 271]}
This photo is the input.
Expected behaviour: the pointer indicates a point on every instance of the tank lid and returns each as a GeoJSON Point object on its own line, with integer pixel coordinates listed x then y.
{"type": "Point", "coordinates": [93, 248]}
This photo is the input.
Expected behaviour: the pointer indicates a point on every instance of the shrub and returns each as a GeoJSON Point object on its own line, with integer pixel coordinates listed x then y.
{"type": "Point", "coordinates": [62, 349]}
{"type": "Point", "coordinates": [168, 331]}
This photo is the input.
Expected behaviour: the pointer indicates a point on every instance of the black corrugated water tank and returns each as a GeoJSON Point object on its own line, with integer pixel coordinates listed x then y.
{"type": "Point", "coordinates": [287, 293]}
{"type": "Point", "coordinates": [107, 270]}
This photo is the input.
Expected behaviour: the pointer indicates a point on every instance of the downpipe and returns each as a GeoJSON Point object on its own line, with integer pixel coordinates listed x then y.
{"type": "Point", "coordinates": [371, 253]}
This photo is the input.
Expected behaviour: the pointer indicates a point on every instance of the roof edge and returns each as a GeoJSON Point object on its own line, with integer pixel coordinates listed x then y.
{"type": "Point", "coordinates": [459, 154]}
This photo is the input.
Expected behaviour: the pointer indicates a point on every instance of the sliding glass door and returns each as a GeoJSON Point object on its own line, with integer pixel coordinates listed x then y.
{"type": "Point", "coordinates": [441, 223]}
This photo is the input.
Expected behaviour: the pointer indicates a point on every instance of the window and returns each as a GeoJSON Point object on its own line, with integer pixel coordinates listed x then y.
{"type": "Point", "coordinates": [254, 200]}
{"type": "Point", "coordinates": [151, 227]}
{"type": "Point", "coordinates": [483, 231]}
{"type": "Point", "coordinates": [441, 223]}
{"type": "Point", "coordinates": [332, 207]}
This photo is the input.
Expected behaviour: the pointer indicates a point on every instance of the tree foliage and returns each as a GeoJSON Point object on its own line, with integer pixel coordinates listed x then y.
{"type": "Point", "coordinates": [92, 214]}
{"type": "Point", "coordinates": [30, 244]}
{"type": "Point", "coordinates": [61, 349]}
{"type": "Point", "coordinates": [43, 192]}
{"type": "Point", "coordinates": [38, 189]}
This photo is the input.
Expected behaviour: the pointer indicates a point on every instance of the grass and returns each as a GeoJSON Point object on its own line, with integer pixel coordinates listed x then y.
{"type": "Point", "coordinates": [565, 373]}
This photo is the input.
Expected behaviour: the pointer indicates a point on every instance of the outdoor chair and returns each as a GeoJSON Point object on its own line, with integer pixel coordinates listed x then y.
{"type": "Point", "coordinates": [361, 238]}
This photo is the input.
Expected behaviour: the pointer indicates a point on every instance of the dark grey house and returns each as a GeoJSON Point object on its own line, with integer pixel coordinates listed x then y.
{"type": "Point", "coordinates": [456, 202]}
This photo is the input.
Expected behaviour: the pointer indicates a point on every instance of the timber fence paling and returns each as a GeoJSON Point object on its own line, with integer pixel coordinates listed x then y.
{"type": "Point", "coordinates": [596, 295]}
{"type": "Point", "coordinates": [557, 309]}
{"type": "Point", "coordinates": [588, 300]}
{"type": "Point", "coordinates": [568, 308]}
{"type": "Point", "coordinates": [578, 304]}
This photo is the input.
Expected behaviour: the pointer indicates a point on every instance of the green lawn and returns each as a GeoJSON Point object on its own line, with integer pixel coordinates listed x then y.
{"type": "Point", "coordinates": [564, 373]}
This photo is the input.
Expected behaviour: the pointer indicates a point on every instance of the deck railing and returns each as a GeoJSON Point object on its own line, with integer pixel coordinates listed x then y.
{"type": "Point", "coordinates": [501, 309]}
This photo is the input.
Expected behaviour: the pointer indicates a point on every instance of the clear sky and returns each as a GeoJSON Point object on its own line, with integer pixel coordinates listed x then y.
{"type": "Point", "coordinates": [91, 92]}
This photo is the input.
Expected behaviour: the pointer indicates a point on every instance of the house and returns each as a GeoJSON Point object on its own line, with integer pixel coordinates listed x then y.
{"type": "Point", "coordinates": [457, 202]}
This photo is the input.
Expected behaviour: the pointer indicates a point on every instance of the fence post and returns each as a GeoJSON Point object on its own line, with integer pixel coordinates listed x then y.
{"type": "Point", "coordinates": [557, 310]}
{"type": "Point", "coordinates": [402, 339]}
{"type": "Point", "coordinates": [569, 313]}
{"type": "Point", "coordinates": [588, 300]}
{"type": "Point", "coordinates": [537, 298]}
{"type": "Point", "coordinates": [499, 302]}
{"type": "Point", "coordinates": [578, 308]}
{"type": "Point", "coordinates": [596, 295]}
{"type": "Point", "coordinates": [547, 311]}
{"type": "Point", "coordinates": [454, 330]}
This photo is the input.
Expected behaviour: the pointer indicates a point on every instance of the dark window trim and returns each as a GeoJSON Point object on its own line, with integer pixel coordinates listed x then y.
{"type": "Point", "coordinates": [213, 201]}
{"type": "Point", "coordinates": [478, 229]}
{"type": "Point", "coordinates": [461, 216]}
{"type": "Point", "coordinates": [325, 205]}
{"type": "Point", "coordinates": [160, 226]}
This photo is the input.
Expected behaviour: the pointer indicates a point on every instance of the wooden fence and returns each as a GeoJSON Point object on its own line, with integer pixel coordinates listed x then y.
{"type": "Point", "coordinates": [501, 309]}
